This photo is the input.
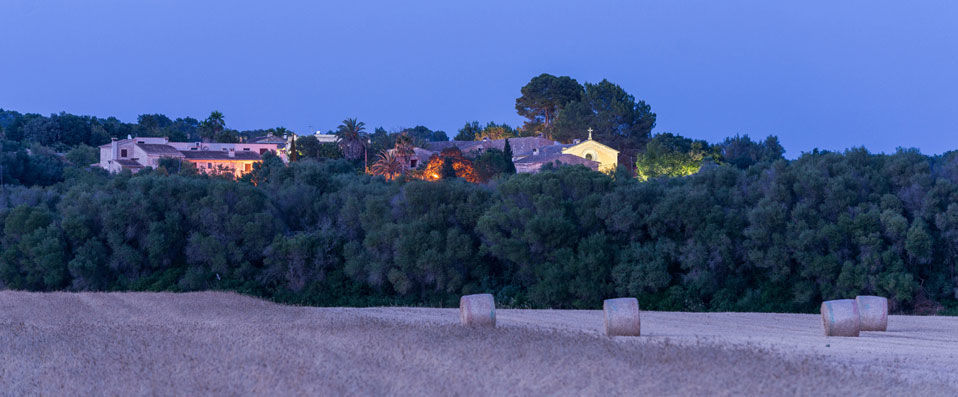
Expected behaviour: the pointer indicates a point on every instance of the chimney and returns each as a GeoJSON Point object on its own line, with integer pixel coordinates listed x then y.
{"type": "Point", "coordinates": [114, 149]}
{"type": "Point", "coordinates": [576, 141]}
{"type": "Point", "coordinates": [535, 151]}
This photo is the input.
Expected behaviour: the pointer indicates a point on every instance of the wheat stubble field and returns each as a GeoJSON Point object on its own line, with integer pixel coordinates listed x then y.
{"type": "Point", "coordinates": [228, 344]}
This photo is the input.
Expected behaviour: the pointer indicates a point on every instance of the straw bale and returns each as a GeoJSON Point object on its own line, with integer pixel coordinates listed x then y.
{"type": "Point", "coordinates": [840, 317]}
{"type": "Point", "coordinates": [477, 310]}
{"type": "Point", "coordinates": [621, 317]}
{"type": "Point", "coordinates": [873, 311]}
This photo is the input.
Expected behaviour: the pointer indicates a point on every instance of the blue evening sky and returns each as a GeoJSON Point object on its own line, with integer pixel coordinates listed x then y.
{"type": "Point", "coordinates": [823, 74]}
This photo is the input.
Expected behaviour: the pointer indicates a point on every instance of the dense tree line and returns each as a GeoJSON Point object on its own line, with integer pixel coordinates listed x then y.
{"type": "Point", "coordinates": [724, 226]}
{"type": "Point", "coordinates": [674, 155]}
{"type": "Point", "coordinates": [63, 132]}
{"type": "Point", "coordinates": [749, 231]}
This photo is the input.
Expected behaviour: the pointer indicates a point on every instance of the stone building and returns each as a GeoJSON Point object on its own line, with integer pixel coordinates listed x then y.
{"type": "Point", "coordinates": [530, 154]}
{"type": "Point", "coordinates": [137, 153]}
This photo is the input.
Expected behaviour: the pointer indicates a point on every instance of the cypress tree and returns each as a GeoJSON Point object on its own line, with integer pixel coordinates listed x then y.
{"type": "Point", "coordinates": [510, 167]}
{"type": "Point", "coordinates": [293, 154]}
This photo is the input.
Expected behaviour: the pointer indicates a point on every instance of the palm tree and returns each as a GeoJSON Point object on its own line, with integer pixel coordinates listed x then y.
{"type": "Point", "coordinates": [212, 126]}
{"type": "Point", "coordinates": [388, 165]}
{"type": "Point", "coordinates": [404, 147]}
{"type": "Point", "coordinates": [352, 140]}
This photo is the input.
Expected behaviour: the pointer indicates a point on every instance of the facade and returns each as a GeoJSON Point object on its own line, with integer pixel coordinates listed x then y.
{"type": "Point", "coordinates": [137, 153]}
{"type": "Point", "coordinates": [590, 149]}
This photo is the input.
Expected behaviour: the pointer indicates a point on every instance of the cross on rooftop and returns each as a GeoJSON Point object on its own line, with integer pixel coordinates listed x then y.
{"type": "Point", "coordinates": [590, 133]}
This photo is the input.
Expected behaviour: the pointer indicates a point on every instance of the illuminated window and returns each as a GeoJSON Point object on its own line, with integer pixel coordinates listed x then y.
{"type": "Point", "coordinates": [248, 167]}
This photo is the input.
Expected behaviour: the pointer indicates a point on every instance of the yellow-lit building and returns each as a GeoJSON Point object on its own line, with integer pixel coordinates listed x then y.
{"type": "Point", "coordinates": [590, 149]}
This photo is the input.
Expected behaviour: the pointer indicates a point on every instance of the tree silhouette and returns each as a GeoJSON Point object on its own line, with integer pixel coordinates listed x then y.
{"type": "Point", "coordinates": [352, 140]}
{"type": "Point", "coordinates": [388, 165]}
{"type": "Point", "coordinates": [212, 126]}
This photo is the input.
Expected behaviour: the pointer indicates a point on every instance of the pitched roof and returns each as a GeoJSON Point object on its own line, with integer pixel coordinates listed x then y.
{"type": "Point", "coordinates": [159, 150]}
{"type": "Point", "coordinates": [279, 141]}
{"type": "Point", "coordinates": [553, 149]}
{"type": "Point", "coordinates": [558, 158]}
{"type": "Point", "coordinates": [518, 145]}
{"type": "Point", "coordinates": [595, 142]}
{"type": "Point", "coordinates": [129, 164]}
{"type": "Point", "coordinates": [242, 155]}
{"type": "Point", "coordinates": [268, 139]}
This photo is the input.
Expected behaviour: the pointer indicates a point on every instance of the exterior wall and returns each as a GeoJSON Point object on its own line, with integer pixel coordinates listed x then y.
{"type": "Point", "coordinates": [143, 158]}
{"type": "Point", "coordinates": [107, 158]}
{"type": "Point", "coordinates": [236, 167]}
{"type": "Point", "coordinates": [125, 145]}
{"type": "Point", "coordinates": [238, 147]}
{"type": "Point", "coordinates": [607, 157]}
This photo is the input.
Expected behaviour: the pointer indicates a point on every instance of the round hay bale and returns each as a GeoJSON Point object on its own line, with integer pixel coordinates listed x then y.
{"type": "Point", "coordinates": [873, 311]}
{"type": "Point", "coordinates": [477, 310]}
{"type": "Point", "coordinates": [840, 317]}
{"type": "Point", "coordinates": [621, 317]}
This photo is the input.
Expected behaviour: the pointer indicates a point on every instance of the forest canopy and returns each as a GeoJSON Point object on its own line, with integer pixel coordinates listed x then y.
{"type": "Point", "coordinates": [757, 235]}
{"type": "Point", "coordinates": [693, 225]}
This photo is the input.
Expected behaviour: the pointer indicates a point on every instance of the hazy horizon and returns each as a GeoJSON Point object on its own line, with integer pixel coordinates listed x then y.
{"type": "Point", "coordinates": [823, 75]}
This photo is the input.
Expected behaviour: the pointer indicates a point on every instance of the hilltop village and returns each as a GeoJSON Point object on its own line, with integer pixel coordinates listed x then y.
{"type": "Point", "coordinates": [528, 154]}
{"type": "Point", "coordinates": [596, 126]}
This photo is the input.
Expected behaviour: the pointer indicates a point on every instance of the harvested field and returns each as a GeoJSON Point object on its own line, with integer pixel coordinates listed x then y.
{"type": "Point", "coordinates": [221, 343]}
